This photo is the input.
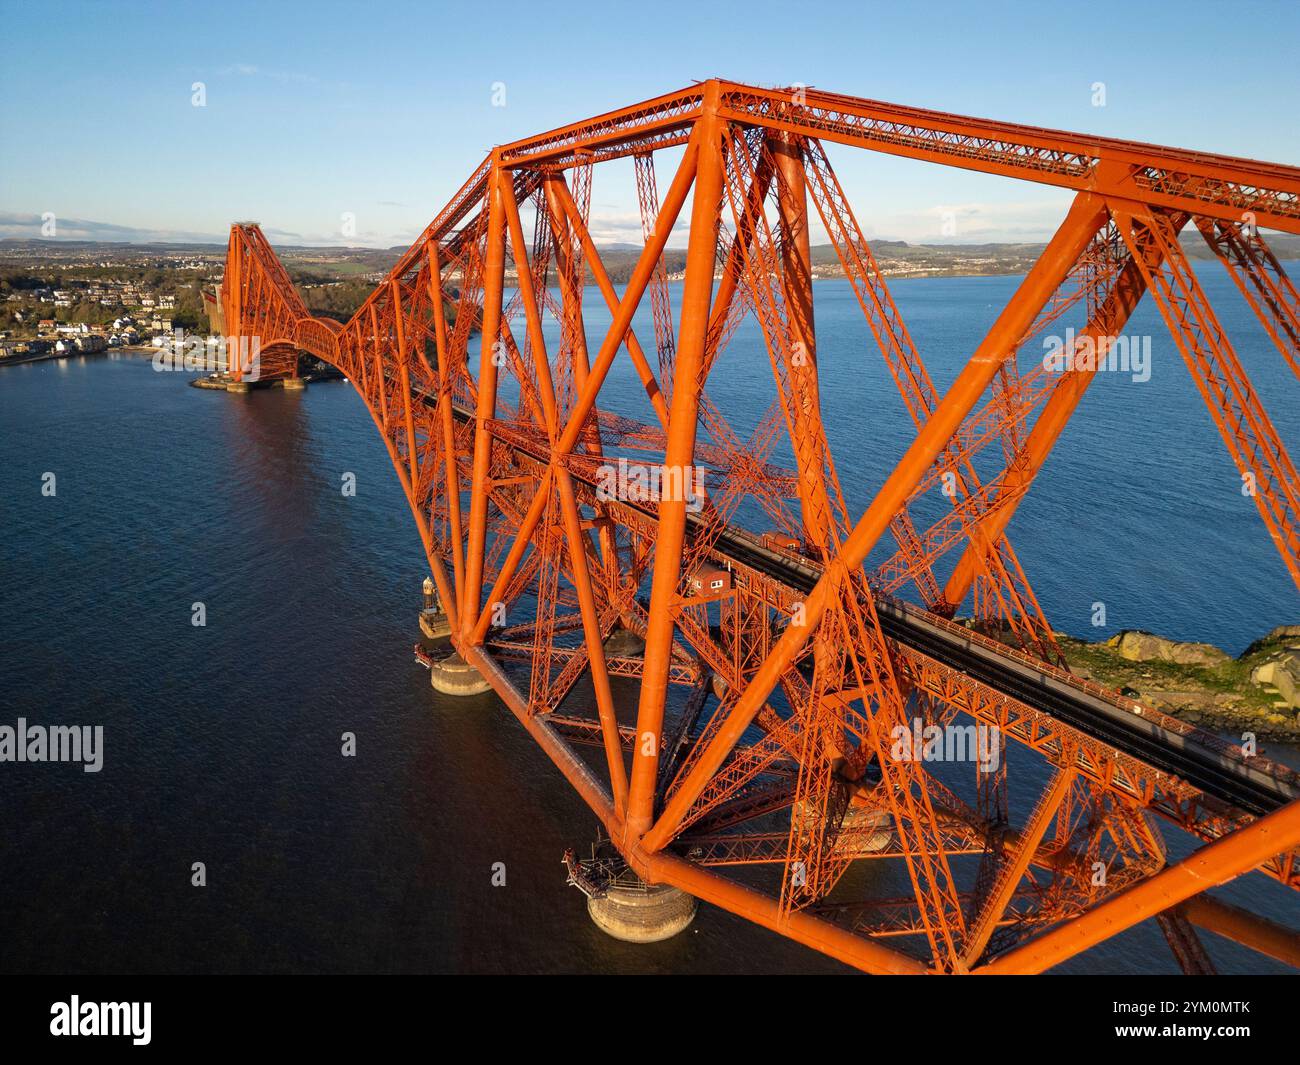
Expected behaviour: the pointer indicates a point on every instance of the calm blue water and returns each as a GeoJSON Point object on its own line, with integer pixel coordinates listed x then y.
{"type": "Point", "coordinates": [223, 742]}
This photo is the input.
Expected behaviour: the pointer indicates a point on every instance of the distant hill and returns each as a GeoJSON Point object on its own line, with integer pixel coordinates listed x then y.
{"type": "Point", "coordinates": [323, 264]}
{"type": "Point", "coordinates": [897, 258]}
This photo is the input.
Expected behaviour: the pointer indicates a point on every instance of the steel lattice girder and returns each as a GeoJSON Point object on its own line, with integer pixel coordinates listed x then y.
{"type": "Point", "coordinates": [506, 502]}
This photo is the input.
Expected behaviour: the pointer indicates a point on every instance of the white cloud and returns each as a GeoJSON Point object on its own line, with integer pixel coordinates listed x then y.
{"type": "Point", "coordinates": [285, 77]}
{"type": "Point", "coordinates": [1027, 221]}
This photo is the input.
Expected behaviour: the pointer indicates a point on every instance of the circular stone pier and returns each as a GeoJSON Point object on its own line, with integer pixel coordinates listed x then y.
{"type": "Point", "coordinates": [642, 913]}
{"type": "Point", "coordinates": [455, 676]}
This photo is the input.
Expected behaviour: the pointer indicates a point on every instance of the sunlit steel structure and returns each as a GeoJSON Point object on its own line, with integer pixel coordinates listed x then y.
{"type": "Point", "coordinates": [757, 771]}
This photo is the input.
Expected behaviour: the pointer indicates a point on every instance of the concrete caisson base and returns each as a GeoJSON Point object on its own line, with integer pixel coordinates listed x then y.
{"type": "Point", "coordinates": [237, 386]}
{"type": "Point", "coordinates": [455, 676]}
{"type": "Point", "coordinates": [645, 914]}
{"type": "Point", "coordinates": [293, 384]}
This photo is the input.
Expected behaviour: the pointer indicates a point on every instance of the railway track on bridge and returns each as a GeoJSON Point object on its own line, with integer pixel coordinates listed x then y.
{"type": "Point", "coordinates": [1253, 787]}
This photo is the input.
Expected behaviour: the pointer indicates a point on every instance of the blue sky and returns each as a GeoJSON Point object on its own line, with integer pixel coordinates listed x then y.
{"type": "Point", "coordinates": [382, 109]}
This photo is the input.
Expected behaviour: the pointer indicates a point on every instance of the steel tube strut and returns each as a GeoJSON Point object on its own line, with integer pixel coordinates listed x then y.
{"type": "Point", "coordinates": [451, 472]}
{"type": "Point", "coordinates": [1248, 929]}
{"type": "Point", "coordinates": [561, 193]}
{"type": "Point", "coordinates": [1064, 400]}
{"type": "Point", "coordinates": [493, 281]}
{"type": "Point", "coordinates": [796, 268]}
{"type": "Point", "coordinates": [1210, 866]}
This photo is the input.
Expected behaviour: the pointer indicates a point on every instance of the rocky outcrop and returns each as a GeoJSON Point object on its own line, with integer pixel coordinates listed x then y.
{"type": "Point", "coordinates": [1138, 646]}
{"type": "Point", "coordinates": [1256, 693]}
{"type": "Point", "coordinates": [1286, 635]}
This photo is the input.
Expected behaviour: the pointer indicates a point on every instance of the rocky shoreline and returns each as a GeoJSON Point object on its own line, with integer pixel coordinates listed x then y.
{"type": "Point", "coordinates": [1257, 692]}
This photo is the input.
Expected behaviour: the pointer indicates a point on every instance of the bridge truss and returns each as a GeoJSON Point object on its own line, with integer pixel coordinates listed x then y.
{"type": "Point", "coordinates": [757, 769]}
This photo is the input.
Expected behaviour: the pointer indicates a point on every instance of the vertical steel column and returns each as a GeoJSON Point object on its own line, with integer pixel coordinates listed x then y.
{"type": "Point", "coordinates": [232, 286]}
{"type": "Point", "coordinates": [493, 281]}
{"type": "Point", "coordinates": [796, 268]}
{"type": "Point", "coordinates": [380, 377]}
{"type": "Point", "coordinates": [404, 375]}
{"type": "Point", "coordinates": [450, 469]}
{"type": "Point", "coordinates": [697, 297]}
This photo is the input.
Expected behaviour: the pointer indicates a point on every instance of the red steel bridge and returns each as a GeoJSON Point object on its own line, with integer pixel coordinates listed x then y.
{"type": "Point", "coordinates": [755, 769]}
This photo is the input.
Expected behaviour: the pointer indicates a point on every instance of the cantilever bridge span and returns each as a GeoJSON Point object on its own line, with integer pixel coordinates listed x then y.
{"type": "Point", "coordinates": [775, 667]}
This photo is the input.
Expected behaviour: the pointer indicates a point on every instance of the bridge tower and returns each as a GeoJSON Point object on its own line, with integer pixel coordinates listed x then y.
{"type": "Point", "coordinates": [778, 639]}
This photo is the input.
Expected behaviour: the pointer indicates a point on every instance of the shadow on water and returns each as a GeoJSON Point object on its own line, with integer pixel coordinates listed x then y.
{"type": "Point", "coordinates": [266, 445]}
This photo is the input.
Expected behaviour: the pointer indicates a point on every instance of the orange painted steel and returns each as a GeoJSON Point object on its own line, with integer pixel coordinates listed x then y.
{"type": "Point", "coordinates": [781, 671]}
{"type": "Point", "coordinates": [1209, 867]}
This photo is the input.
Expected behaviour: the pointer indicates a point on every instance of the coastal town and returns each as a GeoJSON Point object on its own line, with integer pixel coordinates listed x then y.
{"type": "Point", "coordinates": [47, 309]}
{"type": "Point", "coordinates": [60, 298]}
